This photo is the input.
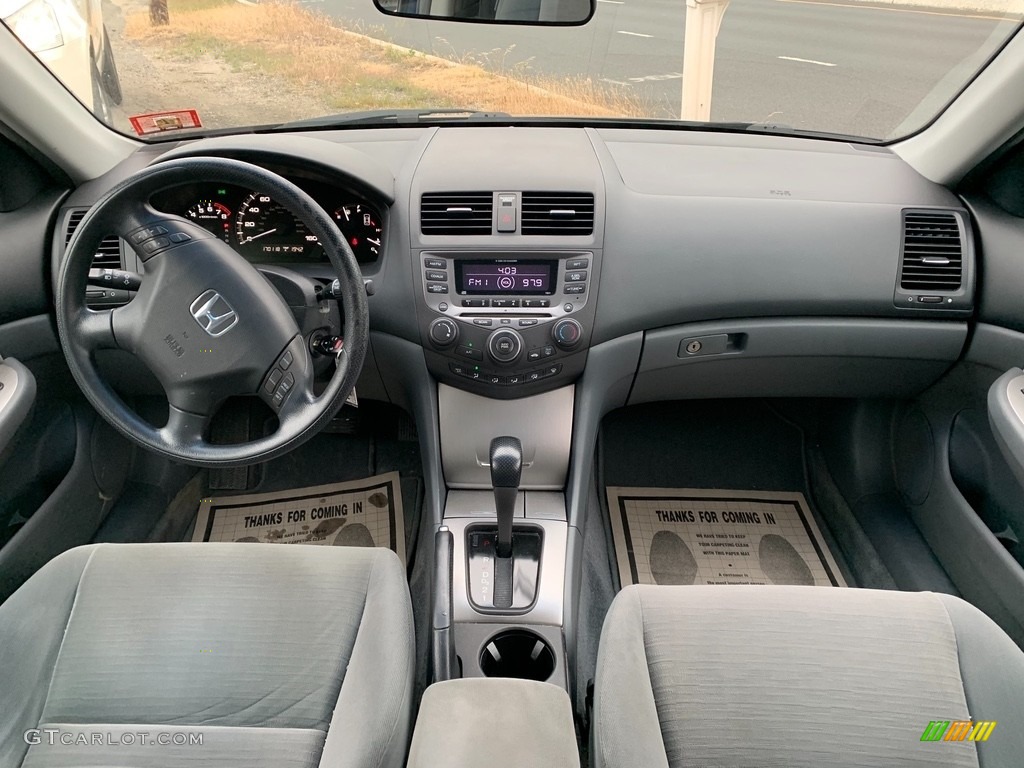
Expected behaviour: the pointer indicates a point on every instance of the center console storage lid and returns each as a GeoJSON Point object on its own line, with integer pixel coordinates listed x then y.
{"type": "Point", "coordinates": [498, 722]}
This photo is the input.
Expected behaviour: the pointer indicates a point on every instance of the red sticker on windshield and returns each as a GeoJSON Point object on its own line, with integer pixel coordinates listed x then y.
{"type": "Point", "coordinates": [158, 122]}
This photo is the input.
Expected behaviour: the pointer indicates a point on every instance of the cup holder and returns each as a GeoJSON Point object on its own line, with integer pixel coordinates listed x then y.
{"type": "Point", "coordinates": [517, 653]}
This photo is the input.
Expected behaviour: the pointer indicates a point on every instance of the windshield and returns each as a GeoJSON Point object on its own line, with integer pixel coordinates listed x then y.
{"type": "Point", "coordinates": [169, 68]}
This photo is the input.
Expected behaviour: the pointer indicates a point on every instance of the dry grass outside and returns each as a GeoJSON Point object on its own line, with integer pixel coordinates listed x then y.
{"type": "Point", "coordinates": [353, 71]}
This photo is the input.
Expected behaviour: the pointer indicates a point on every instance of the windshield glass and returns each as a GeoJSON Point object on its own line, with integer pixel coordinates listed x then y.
{"type": "Point", "coordinates": [168, 68]}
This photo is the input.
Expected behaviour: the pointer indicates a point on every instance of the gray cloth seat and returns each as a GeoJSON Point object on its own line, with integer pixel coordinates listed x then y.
{"type": "Point", "coordinates": [272, 655]}
{"type": "Point", "coordinates": [794, 677]}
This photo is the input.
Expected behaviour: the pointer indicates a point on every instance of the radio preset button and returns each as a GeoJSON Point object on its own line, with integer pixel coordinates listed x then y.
{"type": "Point", "coordinates": [572, 277]}
{"type": "Point", "coordinates": [574, 264]}
{"type": "Point", "coordinates": [503, 303]}
{"type": "Point", "coordinates": [574, 288]}
{"type": "Point", "coordinates": [475, 303]}
{"type": "Point", "coordinates": [536, 303]}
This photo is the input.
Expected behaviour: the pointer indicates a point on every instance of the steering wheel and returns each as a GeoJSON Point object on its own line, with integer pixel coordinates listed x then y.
{"type": "Point", "coordinates": [205, 321]}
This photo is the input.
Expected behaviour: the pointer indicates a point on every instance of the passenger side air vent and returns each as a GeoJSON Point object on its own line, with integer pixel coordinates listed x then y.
{"type": "Point", "coordinates": [932, 251]}
{"type": "Point", "coordinates": [558, 213]}
{"type": "Point", "coordinates": [109, 253]}
{"type": "Point", "coordinates": [456, 213]}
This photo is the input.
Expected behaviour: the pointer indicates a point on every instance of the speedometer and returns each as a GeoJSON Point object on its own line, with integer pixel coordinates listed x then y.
{"type": "Point", "coordinates": [270, 228]}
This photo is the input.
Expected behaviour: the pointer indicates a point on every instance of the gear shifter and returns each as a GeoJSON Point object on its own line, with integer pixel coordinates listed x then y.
{"type": "Point", "coordinates": [506, 471]}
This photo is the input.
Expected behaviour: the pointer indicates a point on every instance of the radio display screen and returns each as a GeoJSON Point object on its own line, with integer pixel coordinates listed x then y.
{"type": "Point", "coordinates": [512, 276]}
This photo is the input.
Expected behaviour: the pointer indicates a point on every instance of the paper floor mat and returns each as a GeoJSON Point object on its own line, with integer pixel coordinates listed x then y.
{"type": "Point", "coordinates": [701, 536]}
{"type": "Point", "coordinates": [361, 513]}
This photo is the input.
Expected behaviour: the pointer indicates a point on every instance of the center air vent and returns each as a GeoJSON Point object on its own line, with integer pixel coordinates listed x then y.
{"type": "Point", "coordinates": [456, 213]}
{"type": "Point", "coordinates": [932, 251]}
{"type": "Point", "coordinates": [558, 213]}
{"type": "Point", "coordinates": [108, 255]}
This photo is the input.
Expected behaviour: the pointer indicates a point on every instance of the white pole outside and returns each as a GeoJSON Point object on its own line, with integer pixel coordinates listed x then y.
{"type": "Point", "coordinates": [703, 20]}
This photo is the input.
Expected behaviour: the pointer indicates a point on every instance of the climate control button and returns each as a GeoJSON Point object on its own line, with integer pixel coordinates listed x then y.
{"type": "Point", "coordinates": [567, 333]}
{"type": "Point", "coordinates": [443, 332]}
{"type": "Point", "coordinates": [505, 345]}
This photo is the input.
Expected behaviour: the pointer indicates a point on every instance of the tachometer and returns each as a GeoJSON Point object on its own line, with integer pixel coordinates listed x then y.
{"type": "Point", "coordinates": [271, 228]}
{"type": "Point", "coordinates": [361, 227]}
{"type": "Point", "coordinates": [212, 216]}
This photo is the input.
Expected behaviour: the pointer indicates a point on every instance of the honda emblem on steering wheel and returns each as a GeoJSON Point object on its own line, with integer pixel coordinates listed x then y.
{"type": "Point", "coordinates": [213, 313]}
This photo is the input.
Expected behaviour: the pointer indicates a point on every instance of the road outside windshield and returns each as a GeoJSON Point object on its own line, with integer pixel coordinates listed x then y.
{"type": "Point", "coordinates": [168, 68]}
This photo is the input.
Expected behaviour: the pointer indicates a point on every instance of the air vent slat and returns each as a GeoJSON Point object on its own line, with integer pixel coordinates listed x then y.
{"type": "Point", "coordinates": [558, 213]}
{"type": "Point", "coordinates": [456, 213]}
{"type": "Point", "coordinates": [108, 255]}
{"type": "Point", "coordinates": [932, 252]}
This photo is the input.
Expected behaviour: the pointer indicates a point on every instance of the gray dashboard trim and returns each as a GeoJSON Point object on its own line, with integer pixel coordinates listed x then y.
{"type": "Point", "coordinates": [710, 226]}
{"type": "Point", "coordinates": [798, 357]}
{"type": "Point", "coordinates": [355, 166]}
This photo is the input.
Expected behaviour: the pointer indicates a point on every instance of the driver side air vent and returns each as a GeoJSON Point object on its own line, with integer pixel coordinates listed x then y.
{"type": "Point", "coordinates": [932, 251]}
{"type": "Point", "coordinates": [558, 213]}
{"type": "Point", "coordinates": [456, 213]}
{"type": "Point", "coordinates": [108, 255]}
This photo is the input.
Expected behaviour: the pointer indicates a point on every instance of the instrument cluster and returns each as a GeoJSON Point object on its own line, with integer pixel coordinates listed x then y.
{"type": "Point", "coordinates": [264, 231]}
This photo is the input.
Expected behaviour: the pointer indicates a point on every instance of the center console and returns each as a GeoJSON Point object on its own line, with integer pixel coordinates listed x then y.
{"type": "Point", "coordinates": [507, 324]}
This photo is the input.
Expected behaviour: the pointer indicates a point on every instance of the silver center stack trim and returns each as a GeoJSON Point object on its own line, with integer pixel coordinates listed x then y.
{"type": "Point", "coordinates": [543, 424]}
{"type": "Point", "coordinates": [542, 510]}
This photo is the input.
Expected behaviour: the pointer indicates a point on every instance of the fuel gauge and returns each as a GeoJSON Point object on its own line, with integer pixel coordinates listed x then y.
{"type": "Point", "coordinates": [361, 227]}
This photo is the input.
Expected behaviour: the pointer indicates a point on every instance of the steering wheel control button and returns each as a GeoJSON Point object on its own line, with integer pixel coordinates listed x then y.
{"type": "Point", "coordinates": [437, 287]}
{"type": "Point", "coordinates": [504, 345]}
{"type": "Point", "coordinates": [155, 244]}
{"type": "Point", "coordinates": [286, 360]}
{"type": "Point", "coordinates": [577, 264]}
{"type": "Point", "coordinates": [567, 333]}
{"type": "Point", "coordinates": [576, 277]}
{"type": "Point", "coordinates": [179, 237]}
{"type": "Point", "coordinates": [272, 380]}
{"type": "Point", "coordinates": [443, 332]}
{"type": "Point", "coordinates": [435, 263]}
{"type": "Point", "coordinates": [437, 277]}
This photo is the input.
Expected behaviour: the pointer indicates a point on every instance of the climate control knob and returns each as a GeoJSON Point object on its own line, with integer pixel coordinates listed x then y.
{"type": "Point", "coordinates": [504, 345]}
{"type": "Point", "coordinates": [567, 333]}
{"type": "Point", "coordinates": [443, 332]}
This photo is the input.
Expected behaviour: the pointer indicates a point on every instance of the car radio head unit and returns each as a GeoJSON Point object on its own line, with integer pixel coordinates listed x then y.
{"type": "Point", "coordinates": [534, 277]}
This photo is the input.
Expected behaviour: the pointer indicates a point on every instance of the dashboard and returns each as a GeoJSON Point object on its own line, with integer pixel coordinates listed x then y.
{"type": "Point", "coordinates": [675, 264]}
{"type": "Point", "coordinates": [264, 232]}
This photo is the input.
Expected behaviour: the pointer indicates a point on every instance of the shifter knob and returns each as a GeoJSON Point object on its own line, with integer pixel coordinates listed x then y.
{"type": "Point", "coordinates": [506, 472]}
